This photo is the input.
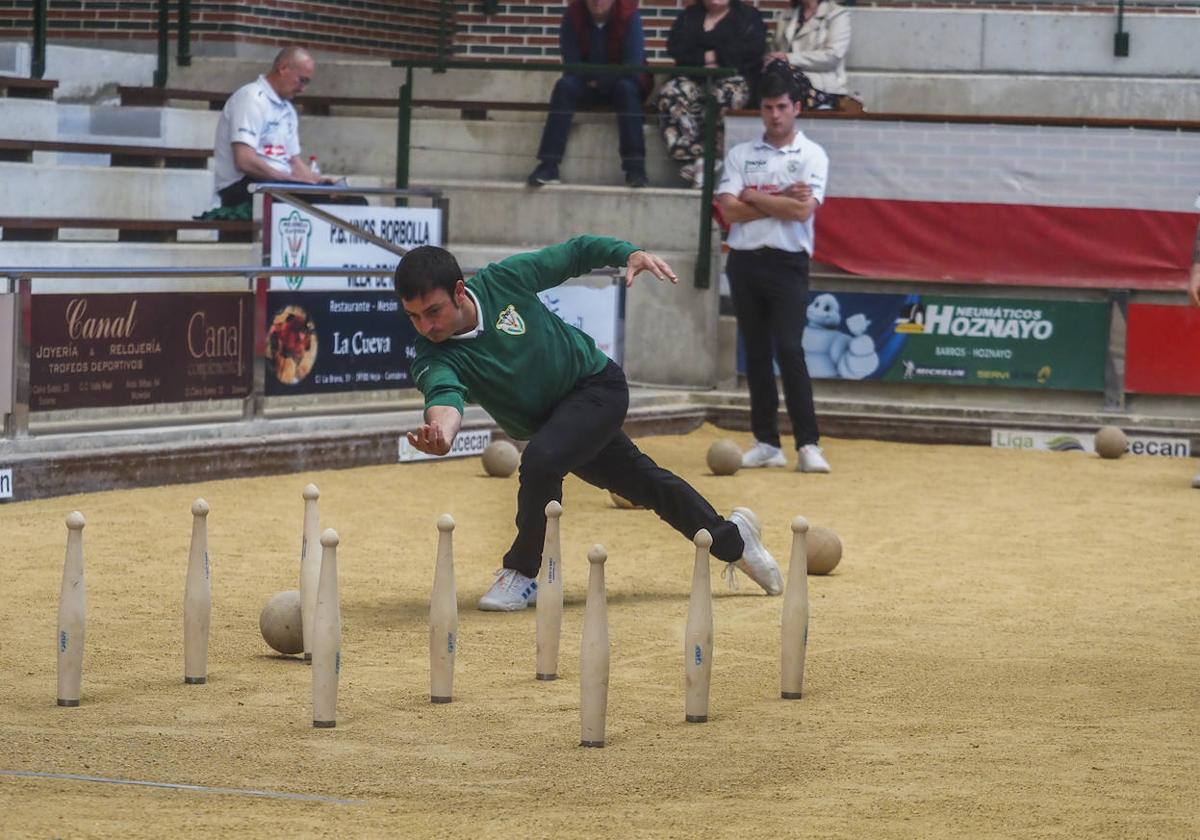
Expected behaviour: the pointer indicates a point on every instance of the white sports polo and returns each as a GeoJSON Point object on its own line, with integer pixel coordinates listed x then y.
{"type": "Point", "coordinates": [258, 117]}
{"type": "Point", "coordinates": [758, 164]}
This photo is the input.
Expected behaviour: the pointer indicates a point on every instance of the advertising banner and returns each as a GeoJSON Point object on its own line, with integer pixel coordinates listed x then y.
{"type": "Point", "coordinates": [6, 484]}
{"type": "Point", "coordinates": [293, 237]}
{"type": "Point", "coordinates": [7, 329]}
{"type": "Point", "coordinates": [1162, 348]}
{"type": "Point", "coordinates": [955, 340]}
{"type": "Point", "coordinates": [1162, 447]}
{"type": "Point", "coordinates": [596, 311]}
{"type": "Point", "coordinates": [469, 442]}
{"type": "Point", "coordinates": [90, 351]}
{"type": "Point", "coordinates": [324, 342]}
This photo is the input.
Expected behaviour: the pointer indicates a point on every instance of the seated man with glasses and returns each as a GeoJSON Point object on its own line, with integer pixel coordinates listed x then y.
{"type": "Point", "coordinates": [258, 135]}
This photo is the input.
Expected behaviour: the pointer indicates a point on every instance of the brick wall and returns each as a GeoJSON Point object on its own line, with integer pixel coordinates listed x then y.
{"type": "Point", "coordinates": [520, 30]}
{"type": "Point", "coordinates": [392, 28]}
{"type": "Point", "coordinates": [414, 28]}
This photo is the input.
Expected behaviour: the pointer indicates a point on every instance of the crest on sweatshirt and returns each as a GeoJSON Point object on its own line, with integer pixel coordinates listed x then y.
{"type": "Point", "coordinates": [510, 321]}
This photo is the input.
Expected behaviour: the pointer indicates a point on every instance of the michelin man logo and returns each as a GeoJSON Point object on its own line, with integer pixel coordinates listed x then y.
{"type": "Point", "coordinates": [831, 353]}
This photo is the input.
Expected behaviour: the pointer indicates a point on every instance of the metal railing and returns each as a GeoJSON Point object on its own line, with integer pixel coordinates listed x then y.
{"type": "Point", "coordinates": [16, 424]}
{"type": "Point", "coordinates": [704, 246]}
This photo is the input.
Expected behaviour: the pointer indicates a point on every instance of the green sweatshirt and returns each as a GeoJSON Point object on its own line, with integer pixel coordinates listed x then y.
{"type": "Point", "coordinates": [525, 358]}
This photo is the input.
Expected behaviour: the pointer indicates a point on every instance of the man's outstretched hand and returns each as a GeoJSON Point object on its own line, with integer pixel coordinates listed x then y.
{"type": "Point", "coordinates": [430, 438]}
{"type": "Point", "coordinates": [640, 261]}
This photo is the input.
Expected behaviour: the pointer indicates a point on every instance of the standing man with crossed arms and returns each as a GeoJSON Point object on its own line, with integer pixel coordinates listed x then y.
{"type": "Point", "coordinates": [490, 339]}
{"type": "Point", "coordinates": [769, 193]}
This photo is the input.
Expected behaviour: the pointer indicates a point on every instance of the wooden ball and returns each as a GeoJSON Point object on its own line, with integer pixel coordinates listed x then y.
{"type": "Point", "coordinates": [280, 624]}
{"type": "Point", "coordinates": [724, 457]}
{"type": "Point", "coordinates": [623, 503]}
{"type": "Point", "coordinates": [500, 459]}
{"type": "Point", "coordinates": [1111, 442]}
{"type": "Point", "coordinates": [824, 550]}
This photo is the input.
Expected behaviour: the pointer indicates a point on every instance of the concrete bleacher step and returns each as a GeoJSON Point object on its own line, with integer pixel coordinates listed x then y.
{"type": "Point", "coordinates": [503, 150]}
{"type": "Point", "coordinates": [372, 78]}
{"type": "Point", "coordinates": [514, 214]}
{"type": "Point", "coordinates": [127, 254]}
{"type": "Point", "coordinates": [116, 192]}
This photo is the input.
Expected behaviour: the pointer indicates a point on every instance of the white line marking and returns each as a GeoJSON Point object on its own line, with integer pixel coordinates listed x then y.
{"type": "Point", "coordinates": [269, 794]}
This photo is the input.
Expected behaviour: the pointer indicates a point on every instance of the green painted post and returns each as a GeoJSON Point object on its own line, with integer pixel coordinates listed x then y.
{"type": "Point", "coordinates": [443, 44]}
{"type": "Point", "coordinates": [38, 64]}
{"type": "Point", "coordinates": [404, 135]}
{"type": "Point", "coordinates": [704, 251]}
{"type": "Point", "coordinates": [164, 41]}
{"type": "Point", "coordinates": [183, 52]}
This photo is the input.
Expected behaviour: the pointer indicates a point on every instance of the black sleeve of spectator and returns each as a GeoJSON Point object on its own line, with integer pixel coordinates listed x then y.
{"type": "Point", "coordinates": [745, 51]}
{"type": "Point", "coordinates": [683, 44]}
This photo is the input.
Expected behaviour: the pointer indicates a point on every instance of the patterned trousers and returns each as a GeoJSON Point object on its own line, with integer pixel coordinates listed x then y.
{"type": "Point", "coordinates": [681, 113]}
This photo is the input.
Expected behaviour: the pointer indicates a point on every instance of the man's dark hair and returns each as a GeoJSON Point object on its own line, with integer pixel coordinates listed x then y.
{"type": "Point", "coordinates": [424, 269]}
{"type": "Point", "coordinates": [777, 82]}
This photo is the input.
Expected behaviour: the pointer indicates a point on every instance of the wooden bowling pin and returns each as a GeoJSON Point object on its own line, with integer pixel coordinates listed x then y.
{"type": "Point", "coordinates": [197, 600]}
{"type": "Point", "coordinates": [72, 612]}
{"type": "Point", "coordinates": [327, 637]}
{"type": "Point", "coordinates": [550, 597]}
{"type": "Point", "coordinates": [310, 565]}
{"type": "Point", "coordinates": [443, 616]}
{"type": "Point", "coordinates": [795, 615]}
{"type": "Point", "coordinates": [594, 655]}
{"type": "Point", "coordinates": [698, 635]}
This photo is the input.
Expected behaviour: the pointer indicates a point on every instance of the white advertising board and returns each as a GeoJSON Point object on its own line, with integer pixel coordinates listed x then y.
{"type": "Point", "coordinates": [470, 442]}
{"type": "Point", "coordinates": [6, 487]}
{"type": "Point", "coordinates": [595, 310]}
{"type": "Point", "coordinates": [300, 239]}
{"type": "Point", "coordinates": [1162, 447]}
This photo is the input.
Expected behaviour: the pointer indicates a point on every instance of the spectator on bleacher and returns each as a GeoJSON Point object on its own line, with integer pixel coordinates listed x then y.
{"type": "Point", "coordinates": [709, 33]}
{"type": "Point", "coordinates": [258, 135]}
{"type": "Point", "coordinates": [813, 39]}
{"type": "Point", "coordinates": [598, 32]}
{"type": "Point", "coordinates": [769, 193]}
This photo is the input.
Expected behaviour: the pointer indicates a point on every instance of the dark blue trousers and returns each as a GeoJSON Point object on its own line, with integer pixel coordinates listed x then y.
{"type": "Point", "coordinates": [619, 92]}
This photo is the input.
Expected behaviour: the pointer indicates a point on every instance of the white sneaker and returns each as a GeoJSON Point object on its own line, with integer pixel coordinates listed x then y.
{"type": "Point", "coordinates": [1196, 481]}
{"type": "Point", "coordinates": [756, 561]}
{"type": "Point", "coordinates": [764, 455]}
{"type": "Point", "coordinates": [811, 460]}
{"type": "Point", "coordinates": [511, 591]}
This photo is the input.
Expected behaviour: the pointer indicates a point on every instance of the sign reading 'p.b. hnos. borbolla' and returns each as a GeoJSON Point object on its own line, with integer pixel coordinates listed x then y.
{"type": "Point", "coordinates": [92, 351]}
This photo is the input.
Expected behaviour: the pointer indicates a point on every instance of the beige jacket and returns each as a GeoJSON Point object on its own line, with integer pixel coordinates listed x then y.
{"type": "Point", "coordinates": [819, 46]}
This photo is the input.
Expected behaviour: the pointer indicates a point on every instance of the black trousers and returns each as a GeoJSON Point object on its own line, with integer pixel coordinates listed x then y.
{"type": "Point", "coordinates": [239, 193]}
{"type": "Point", "coordinates": [770, 299]}
{"type": "Point", "coordinates": [583, 436]}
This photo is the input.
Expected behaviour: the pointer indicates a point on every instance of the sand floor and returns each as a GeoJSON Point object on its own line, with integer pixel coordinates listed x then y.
{"type": "Point", "coordinates": [1010, 648]}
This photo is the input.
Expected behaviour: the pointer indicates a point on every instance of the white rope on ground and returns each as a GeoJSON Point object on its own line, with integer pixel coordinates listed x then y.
{"type": "Point", "coordinates": [268, 794]}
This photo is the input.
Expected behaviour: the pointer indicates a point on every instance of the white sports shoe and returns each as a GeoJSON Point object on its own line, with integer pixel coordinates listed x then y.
{"type": "Point", "coordinates": [764, 455]}
{"type": "Point", "coordinates": [1196, 481]}
{"type": "Point", "coordinates": [756, 561]}
{"type": "Point", "coordinates": [511, 591]}
{"type": "Point", "coordinates": [812, 460]}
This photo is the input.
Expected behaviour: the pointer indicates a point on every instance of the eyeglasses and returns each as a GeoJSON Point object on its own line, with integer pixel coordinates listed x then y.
{"type": "Point", "coordinates": [304, 80]}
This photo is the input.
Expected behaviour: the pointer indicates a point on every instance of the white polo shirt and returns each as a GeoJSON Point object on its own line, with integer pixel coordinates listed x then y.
{"type": "Point", "coordinates": [756, 163]}
{"type": "Point", "coordinates": [258, 117]}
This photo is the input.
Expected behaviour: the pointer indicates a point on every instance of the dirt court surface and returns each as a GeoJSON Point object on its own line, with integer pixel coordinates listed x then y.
{"type": "Point", "coordinates": [1008, 649]}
